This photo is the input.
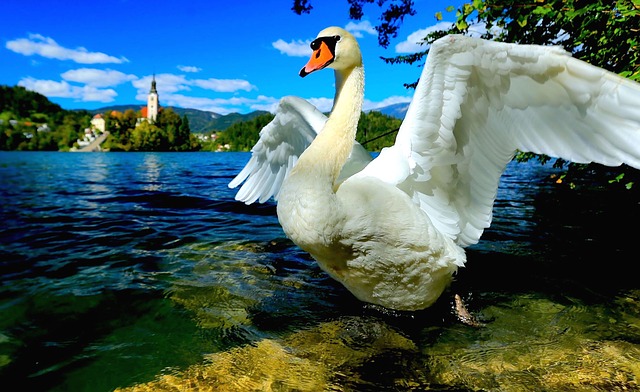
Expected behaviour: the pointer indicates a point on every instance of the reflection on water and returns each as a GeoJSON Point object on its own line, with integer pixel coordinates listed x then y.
{"type": "Point", "coordinates": [140, 272]}
{"type": "Point", "coordinates": [151, 173]}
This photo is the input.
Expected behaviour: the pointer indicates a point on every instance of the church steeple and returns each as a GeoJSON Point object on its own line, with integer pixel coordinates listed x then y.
{"type": "Point", "coordinates": [153, 86]}
{"type": "Point", "coordinates": [153, 101]}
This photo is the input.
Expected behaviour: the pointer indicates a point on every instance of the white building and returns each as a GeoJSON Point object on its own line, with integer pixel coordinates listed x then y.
{"type": "Point", "coordinates": [153, 103]}
{"type": "Point", "coordinates": [150, 112]}
{"type": "Point", "coordinates": [98, 123]}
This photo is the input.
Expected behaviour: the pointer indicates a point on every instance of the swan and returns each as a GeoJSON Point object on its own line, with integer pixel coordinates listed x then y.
{"type": "Point", "coordinates": [393, 229]}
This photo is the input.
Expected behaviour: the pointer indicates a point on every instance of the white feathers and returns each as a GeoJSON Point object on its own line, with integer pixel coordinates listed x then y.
{"type": "Point", "coordinates": [477, 102]}
{"type": "Point", "coordinates": [281, 142]}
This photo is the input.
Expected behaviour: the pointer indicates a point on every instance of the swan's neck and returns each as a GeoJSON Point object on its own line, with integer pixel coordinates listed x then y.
{"type": "Point", "coordinates": [308, 209]}
{"type": "Point", "coordinates": [331, 148]}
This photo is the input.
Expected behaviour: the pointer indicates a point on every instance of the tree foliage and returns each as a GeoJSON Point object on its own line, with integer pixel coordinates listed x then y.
{"type": "Point", "coordinates": [24, 113]}
{"type": "Point", "coordinates": [241, 136]}
{"type": "Point", "coordinates": [30, 122]}
{"type": "Point", "coordinates": [169, 132]}
{"type": "Point", "coordinates": [377, 130]}
{"type": "Point", "coordinates": [373, 132]}
{"type": "Point", "coordinates": [605, 33]}
{"type": "Point", "coordinates": [391, 18]}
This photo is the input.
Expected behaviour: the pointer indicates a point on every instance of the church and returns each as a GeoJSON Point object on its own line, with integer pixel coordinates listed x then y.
{"type": "Point", "coordinates": [150, 112]}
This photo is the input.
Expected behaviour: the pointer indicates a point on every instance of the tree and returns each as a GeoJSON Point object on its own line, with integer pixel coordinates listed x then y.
{"type": "Point", "coordinates": [390, 20]}
{"type": "Point", "coordinates": [605, 33]}
{"type": "Point", "coordinates": [377, 130]}
{"type": "Point", "coordinates": [183, 136]}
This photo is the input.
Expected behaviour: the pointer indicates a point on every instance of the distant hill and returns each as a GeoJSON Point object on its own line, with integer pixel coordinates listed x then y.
{"type": "Point", "coordinates": [223, 122]}
{"type": "Point", "coordinates": [397, 110]}
{"type": "Point", "coordinates": [201, 121]}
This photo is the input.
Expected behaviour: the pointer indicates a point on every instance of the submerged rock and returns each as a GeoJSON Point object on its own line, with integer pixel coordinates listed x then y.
{"type": "Point", "coordinates": [310, 360]}
{"type": "Point", "coordinates": [533, 343]}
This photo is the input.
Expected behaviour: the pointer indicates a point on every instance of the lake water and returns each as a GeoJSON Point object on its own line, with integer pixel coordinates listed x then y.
{"type": "Point", "coordinates": [139, 271]}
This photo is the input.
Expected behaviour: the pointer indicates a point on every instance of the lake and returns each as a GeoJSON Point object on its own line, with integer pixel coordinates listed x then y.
{"type": "Point", "coordinates": [139, 271]}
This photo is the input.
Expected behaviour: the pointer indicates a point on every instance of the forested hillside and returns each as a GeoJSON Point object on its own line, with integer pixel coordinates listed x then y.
{"type": "Point", "coordinates": [200, 121]}
{"type": "Point", "coordinates": [30, 122]}
{"type": "Point", "coordinates": [375, 131]}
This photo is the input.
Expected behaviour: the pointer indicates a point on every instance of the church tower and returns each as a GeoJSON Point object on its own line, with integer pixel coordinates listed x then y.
{"type": "Point", "coordinates": [152, 102]}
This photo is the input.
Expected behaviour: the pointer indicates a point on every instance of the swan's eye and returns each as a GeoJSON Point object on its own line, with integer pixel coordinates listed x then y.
{"type": "Point", "coordinates": [315, 44]}
{"type": "Point", "coordinates": [337, 38]}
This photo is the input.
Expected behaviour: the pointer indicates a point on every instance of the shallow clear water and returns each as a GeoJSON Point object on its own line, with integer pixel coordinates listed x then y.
{"type": "Point", "coordinates": [140, 270]}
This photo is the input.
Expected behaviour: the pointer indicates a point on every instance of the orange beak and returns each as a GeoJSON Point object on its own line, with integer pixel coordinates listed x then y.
{"type": "Point", "coordinates": [320, 58]}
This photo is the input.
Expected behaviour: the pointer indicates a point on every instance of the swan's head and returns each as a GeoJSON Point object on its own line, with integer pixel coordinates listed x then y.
{"type": "Point", "coordinates": [333, 48]}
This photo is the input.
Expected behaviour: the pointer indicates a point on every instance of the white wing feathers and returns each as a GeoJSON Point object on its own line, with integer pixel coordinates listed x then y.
{"type": "Point", "coordinates": [295, 125]}
{"type": "Point", "coordinates": [281, 142]}
{"type": "Point", "coordinates": [478, 101]}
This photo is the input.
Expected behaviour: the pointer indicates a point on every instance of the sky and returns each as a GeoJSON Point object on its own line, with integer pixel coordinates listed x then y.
{"type": "Point", "coordinates": [219, 56]}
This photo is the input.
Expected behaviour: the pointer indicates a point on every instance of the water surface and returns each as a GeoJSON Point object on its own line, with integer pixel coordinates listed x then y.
{"type": "Point", "coordinates": [139, 270]}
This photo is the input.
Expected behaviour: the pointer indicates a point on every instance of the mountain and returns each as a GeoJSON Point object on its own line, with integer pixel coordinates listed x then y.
{"type": "Point", "coordinates": [201, 121]}
{"type": "Point", "coordinates": [223, 122]}
{"type": "Point", "coordinates": [397, 110]}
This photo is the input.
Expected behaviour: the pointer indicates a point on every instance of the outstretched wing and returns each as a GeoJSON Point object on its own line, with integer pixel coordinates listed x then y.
{"type": "Point", "coordinates": [479, 101]}
{"type": "Point", "coordinates": [295, 125]}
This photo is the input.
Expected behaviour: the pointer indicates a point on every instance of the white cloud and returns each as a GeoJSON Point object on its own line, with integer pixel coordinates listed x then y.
{"type": "Point", "coordinates": [166, 83]}
{"type": "Point", "coordinates": [97, 77]}
{"type": "Point", "coordinates": [217, 105]}
{"type": "Point", "coordinates": [267, 105]}
{"type": "Point", "coordinates": [322, 104]}
{"type": "Point", "coordinates": [300, 48]}
{"type": "Point", "coordinates": [224, 85]}
{"type": "Point", "coordinates": [358, 28]}
{"type": "Point", "coordinates": [189, 68]}
{"type": "Point", "coordinates": [51, 88]}
{"type": "Point", "coordinates": [476, 30]}
{"type": "Point", "coordinates": [297, 48]}
{"type": "Point", "coordinates": [415, 41]}
{"type": "Point", "coordinates": [46, 47]}
{"type": "Point", "coordinates": [93, 94]}
{"type": "Point", "coordinates": [370, 105]}
{"type": "Point", "coordinates": [171, 86]}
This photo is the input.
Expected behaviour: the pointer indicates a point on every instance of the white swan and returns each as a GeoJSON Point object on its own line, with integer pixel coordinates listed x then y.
{"type": "Point", "coordinates": [392, 230]}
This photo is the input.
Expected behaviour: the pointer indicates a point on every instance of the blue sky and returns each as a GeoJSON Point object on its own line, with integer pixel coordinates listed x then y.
{"type": "Point", "coordinates": [220, 56]}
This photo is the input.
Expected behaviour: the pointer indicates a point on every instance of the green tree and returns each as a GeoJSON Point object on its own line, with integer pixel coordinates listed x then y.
{"type": "Point", "coordinates": [183, 137]}
{"type": "Point", "coordinates": [391, 17]}
{"type": "Point", "coordinates": [377, 130]}
{"type": "Point", "coordinates": [605, 33]}
{"type": "Point", "coordinates": [23, 112]}
{"type": "Point", "coordinates": [241, 136]}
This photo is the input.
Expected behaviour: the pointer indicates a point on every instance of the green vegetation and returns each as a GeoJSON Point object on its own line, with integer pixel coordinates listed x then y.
{"type": "Point", "coordinates": [605, 33]}
{"type": "Point", "coordinates": [168, 133]}
{"type": "Point", "coordinates": [200, 121]}
{"type": "Point", "coordinates": [23, 115]}
{"type": "Point", "coordinates": [241, 136]}
{"type": "Point", "coordinates": [30, 122]}
{"type": "Point", "coordinates": [375, 131]}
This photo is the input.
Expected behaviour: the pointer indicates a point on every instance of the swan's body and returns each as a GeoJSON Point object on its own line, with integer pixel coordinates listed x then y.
{"type": "Point", "coordinates": [393, 229]}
